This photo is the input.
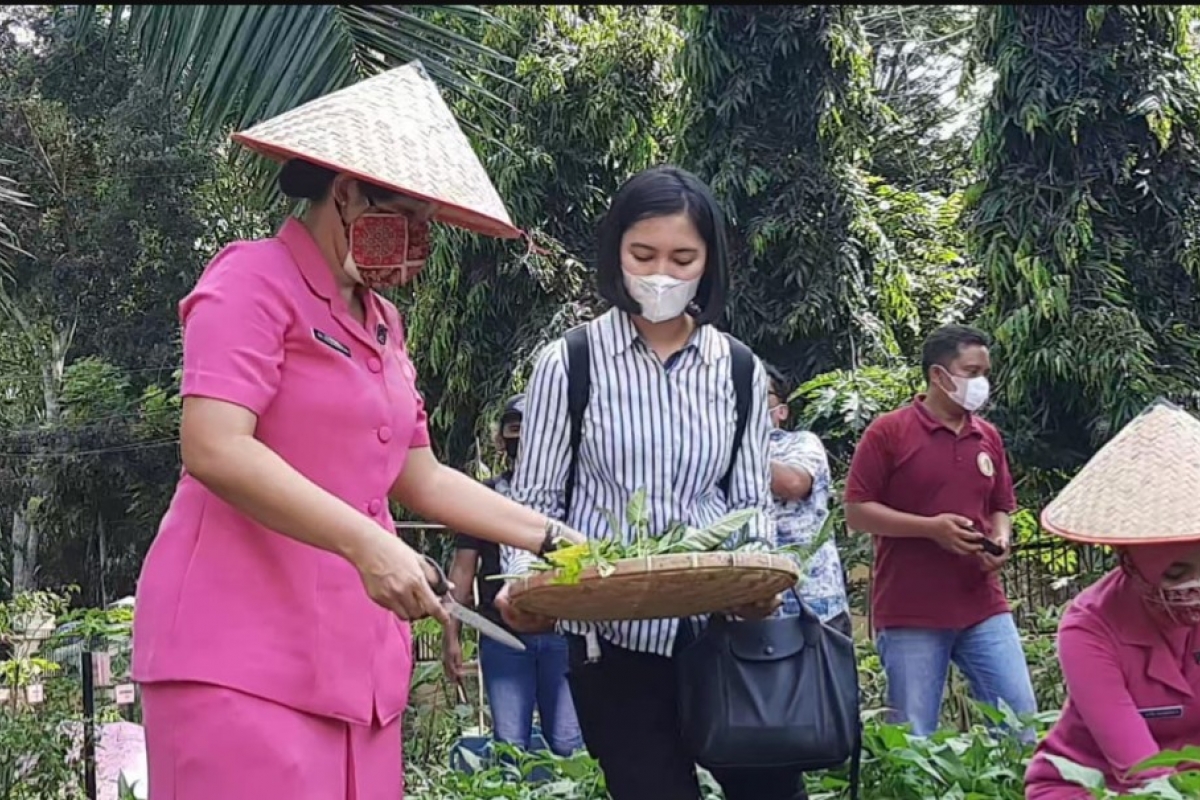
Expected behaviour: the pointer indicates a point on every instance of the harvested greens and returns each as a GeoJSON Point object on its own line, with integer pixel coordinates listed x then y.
{"type": "Point", "coordinates": [728, 533]}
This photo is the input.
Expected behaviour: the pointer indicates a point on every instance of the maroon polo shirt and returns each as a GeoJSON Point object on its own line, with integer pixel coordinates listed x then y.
{"type": "Point", "coordinates": [910, 461]}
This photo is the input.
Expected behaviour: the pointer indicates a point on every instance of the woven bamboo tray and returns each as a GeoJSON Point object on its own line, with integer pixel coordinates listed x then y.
{"type": "Point", "coordinates": [654, 587]}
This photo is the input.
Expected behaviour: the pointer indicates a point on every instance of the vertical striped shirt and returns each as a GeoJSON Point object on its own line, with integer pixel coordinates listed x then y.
{"type": "Point", "coordinates": [666, 428]}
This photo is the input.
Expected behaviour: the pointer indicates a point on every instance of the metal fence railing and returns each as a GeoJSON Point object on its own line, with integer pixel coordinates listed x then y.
{"type": "Point", "coordinates": [1049, 571]}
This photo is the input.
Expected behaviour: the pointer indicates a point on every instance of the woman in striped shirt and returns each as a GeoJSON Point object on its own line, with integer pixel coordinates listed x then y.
{"type": "Point", "coordinates": [661, 417]}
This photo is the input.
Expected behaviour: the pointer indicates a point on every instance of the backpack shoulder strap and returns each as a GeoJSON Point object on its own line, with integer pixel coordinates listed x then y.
{"type": "Point", "coordinates": [579, 388]}
{"type": "Point", "coordinates": [742, 368]}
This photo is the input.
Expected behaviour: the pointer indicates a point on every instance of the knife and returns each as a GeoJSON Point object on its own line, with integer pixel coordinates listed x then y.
{"type": "Point", "coordinates": [441, 587]}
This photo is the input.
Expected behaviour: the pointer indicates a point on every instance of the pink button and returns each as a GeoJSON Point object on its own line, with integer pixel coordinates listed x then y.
{"type": "Point", "coordinates": [373, 507]}
{"type": "Point", "coordinates": [374, 364]}
{"type": "Point", "coordinates": [385, 434]}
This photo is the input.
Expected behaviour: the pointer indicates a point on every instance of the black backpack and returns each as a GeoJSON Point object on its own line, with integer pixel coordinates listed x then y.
{"type": "Point", "coordinates": [579, 388]}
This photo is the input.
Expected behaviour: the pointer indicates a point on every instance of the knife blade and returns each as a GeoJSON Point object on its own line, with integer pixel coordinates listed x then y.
{"type": "Point", "coordinates": [482, 624]}
{"type": "Point", "coordinates": [441, 587]}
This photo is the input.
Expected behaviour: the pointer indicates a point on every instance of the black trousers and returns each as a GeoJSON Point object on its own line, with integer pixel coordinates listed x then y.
{"type": "Point", "coordinates": [626, 704]}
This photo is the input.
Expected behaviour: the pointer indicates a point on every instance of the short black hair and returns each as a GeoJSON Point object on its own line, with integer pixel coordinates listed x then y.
{"type": "Point", "coordinates": [944, 344]}
{"type": "Point", "coordinates": [663, 191]}
{"type": "Point", "coordinates": [304, 180]}
{"type": "Point", "coordinates": [778, 385]}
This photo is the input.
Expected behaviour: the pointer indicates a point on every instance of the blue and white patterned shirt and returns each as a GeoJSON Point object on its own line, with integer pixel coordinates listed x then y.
{"type": "Point", "coordinates": [666, 428]}
{"type": "Point", "coordinates": [798, 522]}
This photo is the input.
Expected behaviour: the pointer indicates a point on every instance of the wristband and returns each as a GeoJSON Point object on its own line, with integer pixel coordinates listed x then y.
{"type": "Point", "coordinates": [550, 539]}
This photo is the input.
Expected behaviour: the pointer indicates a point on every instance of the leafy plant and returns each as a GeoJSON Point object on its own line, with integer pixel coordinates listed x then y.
{"type": "Point", "coordinates": [1084, 222]}
{"type": "Point", "coordinates": [35, 744]}
{"type": "Point", "coordinates": [596, 103]}
{"type": "Point", "coordinates": [1179, 786]}
{"type": "Point", "coordinates": [511, 774]}
{"type": "Point", "coordinates": [237, 65]}
{"type": "Point", "coordinates": [726, 533]}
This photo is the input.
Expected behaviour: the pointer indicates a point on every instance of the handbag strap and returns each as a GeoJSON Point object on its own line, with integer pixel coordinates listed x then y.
{"type": "Point", "coordinates": [856, 763]}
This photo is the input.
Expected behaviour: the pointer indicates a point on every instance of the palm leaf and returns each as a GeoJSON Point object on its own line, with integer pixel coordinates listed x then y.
{"type": "Point", "coordinates": [9, 197]}
{"type": "Point", "coordinates": [238, 65]}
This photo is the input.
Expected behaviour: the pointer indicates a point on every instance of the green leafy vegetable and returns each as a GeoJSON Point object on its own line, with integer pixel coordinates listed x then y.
{"type": "Point", "coordinates": [727, 533]}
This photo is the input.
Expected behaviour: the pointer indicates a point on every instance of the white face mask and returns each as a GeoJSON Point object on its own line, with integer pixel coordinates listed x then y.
{"type": "Point", "coordinates": [970, 393]}
{"type": "Point", "coordinates": [661, 296]}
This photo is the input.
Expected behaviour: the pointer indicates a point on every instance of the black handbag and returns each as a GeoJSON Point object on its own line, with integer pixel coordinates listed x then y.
{"type": "Point", "coordinates": [771, 693]}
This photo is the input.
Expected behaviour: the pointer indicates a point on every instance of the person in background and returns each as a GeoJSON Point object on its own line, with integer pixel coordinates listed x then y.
{"type": "Point", "coordinates": [930, 482]}
{"type": "Point", "coordinates": [800, 482]}
{"type": "Point", "coordinates": [1129, 644]}
{"type": "Point", "coordinates": [660, 417]}
{"type": "Point", "coordinates": [515, 682]}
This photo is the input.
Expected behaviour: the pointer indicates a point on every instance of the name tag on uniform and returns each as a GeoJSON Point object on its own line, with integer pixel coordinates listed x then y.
{"type": "Point", "coordinates": [325, 338]}
{"type": "Point", "coordinates": [1161, 712]}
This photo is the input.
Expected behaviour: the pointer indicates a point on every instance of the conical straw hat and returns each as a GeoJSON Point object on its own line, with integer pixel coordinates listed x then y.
{"type": "Point", "coordinates": [1143, 487]}
{"type": "Point", "coordinates": [393, 130]}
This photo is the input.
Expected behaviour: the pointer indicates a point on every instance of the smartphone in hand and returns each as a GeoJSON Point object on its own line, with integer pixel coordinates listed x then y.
{"type": "Point", "coordinates": [991, 548]}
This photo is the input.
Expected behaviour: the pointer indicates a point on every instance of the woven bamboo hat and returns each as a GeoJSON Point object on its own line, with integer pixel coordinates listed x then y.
{"type": "Point", "coordinates": [393, 130]}
{"type": "Point", "coordinates": [1143, 487]}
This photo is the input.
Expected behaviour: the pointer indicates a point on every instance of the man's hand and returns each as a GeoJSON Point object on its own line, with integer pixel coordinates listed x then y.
{"type": "Point", "coordinates": [993, 563]}
{"type": "Point", "coordinates": [452, 663]}
{"type": "Point", "coordinates": [519, 621]}
{"type": "Point", "coordinates": [955, 533]}
{"type": "Point", "coordinates": [760, 610]}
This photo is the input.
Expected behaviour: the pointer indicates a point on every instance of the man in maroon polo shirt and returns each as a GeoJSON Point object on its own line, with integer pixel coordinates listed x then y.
{"type": "Point", "coordinates": [930, 482]}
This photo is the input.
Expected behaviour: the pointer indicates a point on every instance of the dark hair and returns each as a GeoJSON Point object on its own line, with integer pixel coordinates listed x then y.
{"type": "Point", "coordinates": [662, 192]}
{"type": "Point", "coordinates": [944, 344]}
{"type": "Point", "coordinates": [779, 385]}
{"type": "Point", "coordinates": [304, 180]}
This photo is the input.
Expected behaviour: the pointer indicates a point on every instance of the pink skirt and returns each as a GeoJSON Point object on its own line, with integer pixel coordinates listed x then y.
{"type": "Point", "coordinates": [205, 742]}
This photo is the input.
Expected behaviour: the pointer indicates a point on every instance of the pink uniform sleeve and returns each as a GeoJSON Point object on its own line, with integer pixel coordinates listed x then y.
{"type": "Point", "coordinates": [1097, 688]}
{"type": "Point", "coordinates": [234, 325]}
{"type": "Point", "coordinates": [420, 434]}
{"type": "Point", "coordinates": [870, 466]}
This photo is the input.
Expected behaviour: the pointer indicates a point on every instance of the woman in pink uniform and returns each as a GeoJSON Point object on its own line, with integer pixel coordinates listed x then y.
{"type": "Point", "coordinates": [1130, 643]}
{"type": "Point", "coordinates": [270, 637]}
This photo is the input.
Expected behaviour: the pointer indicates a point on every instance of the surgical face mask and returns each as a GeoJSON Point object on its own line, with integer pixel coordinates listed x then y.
{"type": "Point", "coordinates": [661, 296]}
{"type": "Point", "coordinates": [970, 393]}
{"type": "Point", "coordinates": [778, 413]}
{"type": "Point", "coordinates": [384, 249]}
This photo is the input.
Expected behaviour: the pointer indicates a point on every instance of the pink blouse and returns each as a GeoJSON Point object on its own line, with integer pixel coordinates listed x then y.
{"type": "Point", "coordinates": [226, 601]}
{"type": "Point", "coordinates": [1134, 690]}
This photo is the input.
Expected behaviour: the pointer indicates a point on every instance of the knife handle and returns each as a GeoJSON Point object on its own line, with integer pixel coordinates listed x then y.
{"type": "Point", "coordinates": [437, 578]}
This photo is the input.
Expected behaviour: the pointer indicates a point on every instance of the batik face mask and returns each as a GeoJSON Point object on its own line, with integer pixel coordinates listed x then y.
{"type": "Point", "coordinates": [385, 249]}
{"type": "Point", "coordinates": [1180, 603]}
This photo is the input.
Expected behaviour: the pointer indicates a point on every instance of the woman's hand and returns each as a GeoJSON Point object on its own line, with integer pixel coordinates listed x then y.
{"type": "Point", "coordinates": [760, 610]}
{"type": "Point", "coordinates": [520, 621]}
{"type": "Point", "coordinates": [566, 535]}
{"type": "Point", "coordinates": [397, 577]}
